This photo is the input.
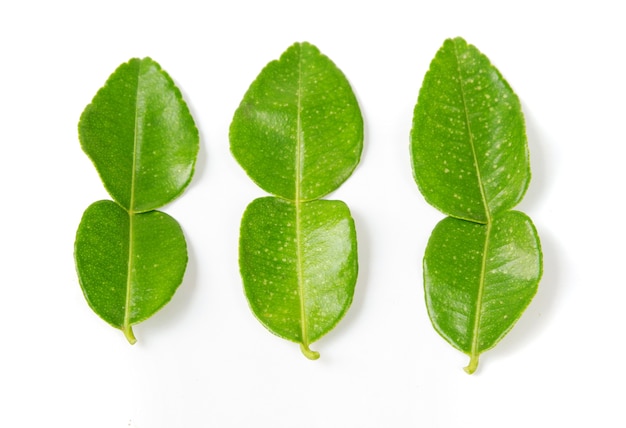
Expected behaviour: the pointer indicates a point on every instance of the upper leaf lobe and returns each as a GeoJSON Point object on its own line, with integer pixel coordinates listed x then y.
{"type": "Point", "coordinates": [298, 132]}
{"type": "Point", "coordinates": [140, 136]}
{"type": "Point", "coordinates": [468, 142]}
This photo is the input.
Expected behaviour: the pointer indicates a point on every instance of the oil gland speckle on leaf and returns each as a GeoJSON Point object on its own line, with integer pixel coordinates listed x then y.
{"type": "Point", "coordinates": [298, 133]}
{"type": "Point", "coordinates": [469, 154]}
{"type": "Point", "coordinates": [143, 142]}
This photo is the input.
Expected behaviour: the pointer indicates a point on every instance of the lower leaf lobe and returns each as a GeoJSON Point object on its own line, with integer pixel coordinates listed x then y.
{"type": "Point", "coordinates": [480, 278]}
{"type": "Point", "coordinates": [129, 265]}
{"type": "Point", "coordinates": [299, 269]}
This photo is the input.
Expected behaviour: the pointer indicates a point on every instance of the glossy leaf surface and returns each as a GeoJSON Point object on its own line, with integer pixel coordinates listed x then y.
{"type": "Point", "coordinates": [140, 136]}
{"type": "Point", "coordinates": [129, 266]}
{"type": "Point", "coordinates": [298, 132]}
{"type": "Point", "coordinates": [468, 142]}
{"type": "Point", "coordinates": [143, 141]}
{"type": "Point", "coordinates": [299, 266]}
{"type": "Point", "coordinates": [470, 160]}
{"type": "Point", "coordinates": [478, 278]}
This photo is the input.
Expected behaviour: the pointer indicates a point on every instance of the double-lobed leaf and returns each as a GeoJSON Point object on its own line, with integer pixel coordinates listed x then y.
{"type": "Point", "coordinates": [470, 160]}
{"type": "Point", "coordinates": [298, 133]}
{"type": "Point", "coordinates": [143, 141]}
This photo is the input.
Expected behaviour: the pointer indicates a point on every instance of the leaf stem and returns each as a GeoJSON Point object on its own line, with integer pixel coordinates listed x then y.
{"type": "Point", "coordinates": [128, 332]}
{"type": "Point", "coordinates": [310, 354]}
{"type": "Point", "coordinates": [473, 364]}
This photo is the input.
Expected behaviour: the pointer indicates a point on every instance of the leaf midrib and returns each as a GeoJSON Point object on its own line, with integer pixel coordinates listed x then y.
{"type": "Point", "coordinates": [127, 328]}
{"type": "Point", "coordinates": [299, 159]}
{"type": "Point", "coordinates": [471, 138]}
{"type": "Point", "coordinates": [481, 284]}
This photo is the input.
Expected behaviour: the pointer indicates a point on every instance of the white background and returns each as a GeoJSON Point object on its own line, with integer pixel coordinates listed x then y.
{"type": "Point", "coordinates": [204, 360]}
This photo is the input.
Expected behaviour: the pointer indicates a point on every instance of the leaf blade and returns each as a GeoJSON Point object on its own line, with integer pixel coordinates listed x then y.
{"type": "Point", "coordinates": [129, 265]}
{"type": "Point", "coordinates": [140, 135]}
{"type": "Point", "coordinates": [479, 279]}
{"type": "Point", "coordinates": [468, 141]}
{"type": "Point", "coordinates": [299, 269]}
{"type": "Point", "coordinates": [298, 131]}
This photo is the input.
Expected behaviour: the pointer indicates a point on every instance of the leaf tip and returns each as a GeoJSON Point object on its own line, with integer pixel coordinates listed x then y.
{"type": "Point", "coordinates": [310, 354]}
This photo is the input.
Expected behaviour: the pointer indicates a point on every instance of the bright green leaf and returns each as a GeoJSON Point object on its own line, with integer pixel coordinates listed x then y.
{"type": "Point", "coordinates": [140, 136]}
{"type": "Point", "coordinates": [478, 279]}
{"type": "Point", "coordinates": [468, 142]}
{"type": "Point", "coordinates": [299, 266]}
{"type": "Point", "coordinates": [470, 160]}
{"type": "Point", "coordinates": [129, 266]}
{"type": "Point", "coordinates": [298, 133]}
{"type": "Point", "coordinates": [143, 141]}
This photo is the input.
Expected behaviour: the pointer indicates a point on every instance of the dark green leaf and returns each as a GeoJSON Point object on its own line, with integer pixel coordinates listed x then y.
{"type": "Point", "coordinates": [298, 132]}
{"type": "Point", "coordinates": [470, 159]}
{"type": "Point", "coordinates": [129, 266]}
{"type": "Point", "coordinates": [140, 136]}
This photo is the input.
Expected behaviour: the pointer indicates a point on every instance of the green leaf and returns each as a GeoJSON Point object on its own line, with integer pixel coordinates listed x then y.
{"type": "Point", "coordinates": [129, 266]}
{"type": "Point", "coordinates": [298, 133]}
{"type": "Point", "coordinates": [140, 136]}
{"type": "Point", "coordinates": [468, 142]}
{"type": "Point", "coordinates": [470, 160]}
{"type": "Point", "coordinates": [143, 141]}
{"type": "Point", "coordinates": [479, 279]}
{"type": "Point", "coordinates": [299, 266]}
